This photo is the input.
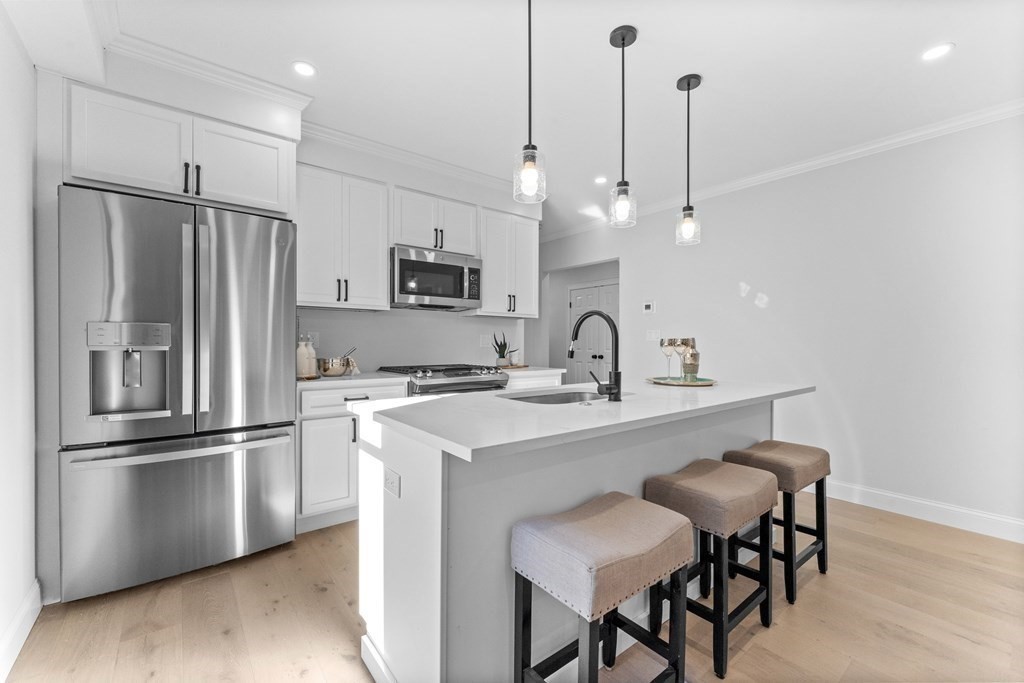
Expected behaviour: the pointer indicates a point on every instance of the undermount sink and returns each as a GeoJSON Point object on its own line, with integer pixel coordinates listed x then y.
{"type": "Point", "coordinates": [560, 397]}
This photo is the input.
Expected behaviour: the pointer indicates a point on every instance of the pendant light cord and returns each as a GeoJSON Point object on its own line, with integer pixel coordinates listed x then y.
{"type": "Point", "coordinates": [622, 49]}
{"type": "Point", "coordinates": [688, 147]}
{"type": "Point", "coordinates": [529, 71]}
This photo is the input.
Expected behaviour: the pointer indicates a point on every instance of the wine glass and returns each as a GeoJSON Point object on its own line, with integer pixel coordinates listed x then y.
{"type": "Point", "coordinates": [668, 347]}
{"type": "Point", "coordinates": [681, 346]}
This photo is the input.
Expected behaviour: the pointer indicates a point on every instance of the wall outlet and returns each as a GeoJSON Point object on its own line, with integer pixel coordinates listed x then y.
{"type": "Point", "coordinates": [392, 482]}
{"type": "Point", "coordinates": [653, 335]}
{"type": "Point", "coordinates": [315, 338]}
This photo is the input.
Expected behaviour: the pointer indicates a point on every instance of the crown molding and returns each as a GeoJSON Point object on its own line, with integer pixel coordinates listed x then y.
{"type": "Point", "coordinates": [136, 48]}
{"type": "Point", "coordinates": [379, 149]}
{"type": "Point", "coordinates": [910, 137]}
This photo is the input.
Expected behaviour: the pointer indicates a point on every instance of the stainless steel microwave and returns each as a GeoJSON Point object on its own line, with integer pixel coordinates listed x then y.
{"type": "Point", "coordinates": [432, 279]}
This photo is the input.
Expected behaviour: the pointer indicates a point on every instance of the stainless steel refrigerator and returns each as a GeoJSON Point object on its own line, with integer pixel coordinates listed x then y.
{"type": "Point", "coordinates": [177, 395]}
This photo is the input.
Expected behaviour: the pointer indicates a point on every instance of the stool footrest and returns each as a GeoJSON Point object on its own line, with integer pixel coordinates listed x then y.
{"type": "Point", "coordinates": [802, 528]}
{"type": "Point", "coordinates": [746, 607]}
{"type": "Point", "coordinates": [556, 661]}
{"type": "Point", "coordinates": [808, 552]}
{"type": "Point", "coordinates": [744, 570]}
{"type": "Point", "coordinates": [654, 643]}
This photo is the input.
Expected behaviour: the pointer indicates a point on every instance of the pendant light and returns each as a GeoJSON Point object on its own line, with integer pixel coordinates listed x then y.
{"type": "Point", "coordinates": [687, 220]}
{"type": "Point", "coordinates": [529, 180]}
{"type": "Point", "coordinates": [622, 205]}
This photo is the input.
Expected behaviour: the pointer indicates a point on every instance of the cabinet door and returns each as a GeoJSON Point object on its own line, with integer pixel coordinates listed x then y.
{"type": "Point", "coordinates": [524, 243]}
{"type": "Point", "coordinates": [416, 220]}
{"type": "Point", "coordinates": [495, 289]}
{"type": "Point", "coordinates": [119, 140]}
{"type": "Point", "coordinates": [318, 237]}
{"type": "Point", "coordinates": [364, 244]}
{"type": "Point", "coordinates": [328, 463]}
{"type": "Point", "coordinates": [243, 167]}
{"type": "Point", "coordinates": [458, 224]}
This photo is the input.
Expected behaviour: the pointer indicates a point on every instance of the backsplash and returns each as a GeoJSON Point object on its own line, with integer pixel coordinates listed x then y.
{"type": "Point", "coordinates": [407, 336]}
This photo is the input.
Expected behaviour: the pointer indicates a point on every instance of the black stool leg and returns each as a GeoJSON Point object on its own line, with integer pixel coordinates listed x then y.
{"type": "Point", "coordinates": [765, 567]}
{"type": "Point", "coordinates": [734, 555]}
{"type": "Point", "coordinates": [720, 624]}
{"type": "Point", "coordinates": [590, 638]}
{"type": "Point", "coordinates": [677, 625]}
{"type": "Point", "coordinates": [655, 615]}
{"type": "Point", "coordinates": [821, 524]}
{"type": "Point", "coordinates": [523, 619]}
{"type": "Point", "coordinates": [789, 543]}
{"type": "Point", "coordinates": [610, 638]}
{"type": "Point", "coordinates": [705, 567]}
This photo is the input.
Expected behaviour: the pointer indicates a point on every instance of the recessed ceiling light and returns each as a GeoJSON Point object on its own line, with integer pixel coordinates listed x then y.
{"type": "Point", "coordinates": [600, 180]}
{"type": "Point", "coordinates": [304, 68]}
{"type": "Point", "coordinates": [937, 51]}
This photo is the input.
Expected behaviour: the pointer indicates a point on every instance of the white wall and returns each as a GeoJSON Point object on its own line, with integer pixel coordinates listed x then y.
{"type": "Point", "coordinates": [892, 282]}
{"type": "Point", "coordinates": [19, 593]}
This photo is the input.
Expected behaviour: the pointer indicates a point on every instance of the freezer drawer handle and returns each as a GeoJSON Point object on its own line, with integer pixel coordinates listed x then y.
{"type": "Point", "coordinates": [153, 458]}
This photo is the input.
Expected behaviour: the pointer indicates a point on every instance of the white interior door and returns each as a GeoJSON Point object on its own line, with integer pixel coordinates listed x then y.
{"type": "Point", "coordinates": [593, 348]}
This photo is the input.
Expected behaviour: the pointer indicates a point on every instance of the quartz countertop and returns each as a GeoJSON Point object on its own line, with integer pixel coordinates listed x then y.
{"type": "Point", "coordinates": [475, 425]}
{"type": "Point", "coordinates": [371, 378]}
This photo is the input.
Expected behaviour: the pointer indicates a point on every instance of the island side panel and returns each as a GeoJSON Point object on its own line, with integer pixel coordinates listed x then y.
{"type": "Point", "coordinates": [401, 544]}
{"type": "Point", "coordinates": [485, 498]}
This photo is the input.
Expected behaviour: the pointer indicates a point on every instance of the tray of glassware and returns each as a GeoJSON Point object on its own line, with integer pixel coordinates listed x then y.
{"type": "Point", "coordinates": [682, 382]}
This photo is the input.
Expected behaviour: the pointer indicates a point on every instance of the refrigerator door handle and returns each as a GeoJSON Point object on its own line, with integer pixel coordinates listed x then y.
{"type": "Point", "coordinates": [188, 304]}
{"type": "Point", "coordinates": [152, 458]}
{"type": "Point", "coordinates": [204, 318]}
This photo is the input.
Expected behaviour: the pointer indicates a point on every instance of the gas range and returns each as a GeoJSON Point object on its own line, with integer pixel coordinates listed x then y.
{"type": "Point", "coordinates": [456, 378]}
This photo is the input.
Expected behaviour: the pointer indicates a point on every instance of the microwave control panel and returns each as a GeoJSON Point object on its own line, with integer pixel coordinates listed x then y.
{"type": "Point", "coordinates": [474, 284]}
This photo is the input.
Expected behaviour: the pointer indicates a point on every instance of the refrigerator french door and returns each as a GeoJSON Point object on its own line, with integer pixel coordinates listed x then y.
{"type": "Point", "coordinates": [177, 387]}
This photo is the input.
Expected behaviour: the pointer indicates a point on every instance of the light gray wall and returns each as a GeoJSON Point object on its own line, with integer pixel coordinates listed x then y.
{"type": "Point", "coordinates": [19, 594]}
{"type": "Point", "coordinates": [402, 337]}
{"type": "Point", "coordinates": [892, 282]}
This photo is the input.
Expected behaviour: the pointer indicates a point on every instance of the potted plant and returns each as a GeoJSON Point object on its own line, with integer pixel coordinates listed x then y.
{"type": "Point", "coordinates": [502, 349]}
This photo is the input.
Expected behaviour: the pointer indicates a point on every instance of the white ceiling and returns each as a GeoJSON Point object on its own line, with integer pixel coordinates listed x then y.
{"type": "Point", "coordinates": [784, 80]}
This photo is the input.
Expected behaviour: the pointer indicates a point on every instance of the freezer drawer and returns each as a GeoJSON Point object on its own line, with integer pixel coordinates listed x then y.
{"type": "Point", "coordinates": [132, 514]}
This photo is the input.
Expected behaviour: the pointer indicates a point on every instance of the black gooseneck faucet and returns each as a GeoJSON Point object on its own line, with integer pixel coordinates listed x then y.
{"type": "Point", "coordinates": [613, 389]}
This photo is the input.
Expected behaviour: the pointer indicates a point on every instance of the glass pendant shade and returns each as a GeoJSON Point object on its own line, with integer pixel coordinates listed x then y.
{"type": "Point", "coordinates": [529, 179]}
{"type": "Point", "coordinates": [622, 206]}
{"type": "Point", "coordinates": [687, 226]}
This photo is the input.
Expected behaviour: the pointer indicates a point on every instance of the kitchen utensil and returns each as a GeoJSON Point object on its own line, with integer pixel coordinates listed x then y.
{"type": "Point", "coordinates": [333, 367]}
{"type": "Point", "coordinates": [349, 352]}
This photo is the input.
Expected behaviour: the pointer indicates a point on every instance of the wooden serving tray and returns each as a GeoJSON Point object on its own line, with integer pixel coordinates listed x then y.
{"type": "Point", "coordinates": [676, 382]}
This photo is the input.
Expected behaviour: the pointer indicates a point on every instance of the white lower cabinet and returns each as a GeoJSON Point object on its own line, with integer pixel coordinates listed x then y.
{"type": "Point", "coordinates": [328, 448]}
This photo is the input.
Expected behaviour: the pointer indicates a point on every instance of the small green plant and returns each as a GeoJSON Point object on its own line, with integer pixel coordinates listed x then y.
{"type": "Point", "coordinates": [501, 347]}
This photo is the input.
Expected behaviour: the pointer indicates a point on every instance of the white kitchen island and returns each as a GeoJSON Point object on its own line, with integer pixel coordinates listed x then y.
{"type": "Point", "coordinates": [435, 584]}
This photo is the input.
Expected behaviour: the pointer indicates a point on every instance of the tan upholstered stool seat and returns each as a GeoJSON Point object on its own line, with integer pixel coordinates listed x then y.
{"type": "Point", "coordinates": [718, 497]}
{"type": "Point", "coordinates": [796, 466]}
{"type": "Point", "coordinates": [593, 557]}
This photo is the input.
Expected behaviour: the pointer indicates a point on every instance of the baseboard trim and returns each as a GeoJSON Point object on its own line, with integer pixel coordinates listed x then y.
{"type": "Point", "coordinates": [16, 632]}
{"type": "Point", "coordinates": [374, 662]}
{"type": "Point", "coordinates": [969, 519]}
{"type": "Point", "coordinates": [326, 519]}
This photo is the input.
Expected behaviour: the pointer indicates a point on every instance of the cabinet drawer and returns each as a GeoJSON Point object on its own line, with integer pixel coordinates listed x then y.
{"type": "Point", "coordinates": [332, 401]}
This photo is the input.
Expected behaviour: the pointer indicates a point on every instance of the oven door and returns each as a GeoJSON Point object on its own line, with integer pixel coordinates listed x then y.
{"type": "Point", "coordinates": [421, 278]}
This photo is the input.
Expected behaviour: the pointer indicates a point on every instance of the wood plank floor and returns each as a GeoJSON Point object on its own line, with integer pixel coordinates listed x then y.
{"type": "Point", "coordinates": [903, 600]}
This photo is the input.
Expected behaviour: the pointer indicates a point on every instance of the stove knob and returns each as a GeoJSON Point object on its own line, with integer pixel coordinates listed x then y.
{"type": "Point", "coordinates": [429, 372]}
{"type": "Point", "coordinates": [492, 371]}
{"type": "Point", "coordinates": [419, 373]}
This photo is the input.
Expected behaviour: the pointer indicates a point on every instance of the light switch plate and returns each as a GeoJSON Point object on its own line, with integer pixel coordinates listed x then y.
{"type": "Point", "coordinates": [392, 482]}
{"type": "Point", "coordinates": [650, 307]}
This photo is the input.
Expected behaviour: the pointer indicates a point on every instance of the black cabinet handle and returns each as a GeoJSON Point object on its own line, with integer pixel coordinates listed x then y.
{"type": "Point", "coordinates": [355, 430]}
{"type": "Point", "coordinates": [513, 303]}
{"type": "Point", "coordinates": [594, 356]}
{"type": "Point", "coordinates": [508, 308]}
{"type": "Point", "coordinates": [184, 189]}
{"type": "Point", "coordinates": [346, 290]}
{"type": "Point", "coordinates": [339, 290]}
{"type": "Point", "coordinates": [600, 356]}
{"type": "Point", "coordinates": [435, 238]}
{"type": "Point", "coordinates": [442, 238]}
{"type": "Point", "coordinates": [199, 169]}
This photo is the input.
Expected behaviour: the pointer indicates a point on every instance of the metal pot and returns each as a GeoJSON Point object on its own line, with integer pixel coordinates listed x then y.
{"type": "Point", "coordinates": [334, 367]}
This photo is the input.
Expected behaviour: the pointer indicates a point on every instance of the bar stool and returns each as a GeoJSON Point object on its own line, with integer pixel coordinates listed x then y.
{"type": "Point", "coordinates": [719, 498]}
{"type": "Point", "coordinates": [592, 559]}
{"type": "Point", "coordinates": [796, 466]}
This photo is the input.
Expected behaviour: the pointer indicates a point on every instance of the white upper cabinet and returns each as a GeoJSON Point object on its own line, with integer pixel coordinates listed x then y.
{"type": "Point", "coordinates": [510, 247]}
{"type": "Point", "coordinates": [422, 220]}
{"type": "Point", "coordinates": [342, 241]}
{"type": "Point", "coordinates": [114, 139]}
